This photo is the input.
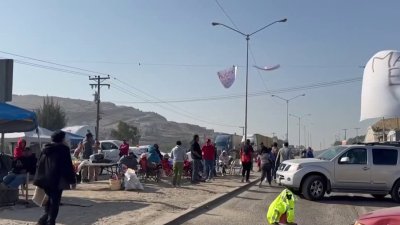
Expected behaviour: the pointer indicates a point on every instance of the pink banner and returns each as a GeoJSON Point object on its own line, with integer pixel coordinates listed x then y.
{"type": "Point", "coordinates": [227, 77]}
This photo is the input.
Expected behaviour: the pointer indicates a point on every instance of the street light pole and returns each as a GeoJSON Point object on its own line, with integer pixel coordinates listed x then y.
{"type": "Point", "coordinates": [345, 134]}
{"type": "Point", "coordinates": [299, 118]}
{"type": "Point", "coordinates": [287, 111]}
{"type": "Point", "coordinates": [247, 60]}
{"type": "Point", "coordinates": [357, 133]}
{"type": "Point", "coordinates": [242, 129]}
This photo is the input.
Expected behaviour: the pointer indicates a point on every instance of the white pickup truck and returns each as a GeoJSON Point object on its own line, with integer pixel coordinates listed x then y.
{"type": "Point", "coordinates": [369, 168]}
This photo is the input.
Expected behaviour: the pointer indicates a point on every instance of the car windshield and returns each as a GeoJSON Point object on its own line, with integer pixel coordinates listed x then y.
{"type": "Point", "coordinates": [330, 153]}
{"type": "Point", "coordinates": [118, 143]}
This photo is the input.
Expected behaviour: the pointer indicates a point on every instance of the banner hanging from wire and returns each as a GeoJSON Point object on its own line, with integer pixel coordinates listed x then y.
{"type": "Point", "coordinates": [268, 68]}
{"type": "Point", "coordinates": [228, 76]}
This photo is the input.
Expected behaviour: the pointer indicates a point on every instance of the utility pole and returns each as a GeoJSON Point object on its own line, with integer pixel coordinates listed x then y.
{"type": "Point", "coordinates": [243, 132]}
{"type": "Point", "coordinates": [357, 133]}
{"type": "Point", "coordinates": [345, 134]}
{"type": "Point", "coordinates": [97, 97]}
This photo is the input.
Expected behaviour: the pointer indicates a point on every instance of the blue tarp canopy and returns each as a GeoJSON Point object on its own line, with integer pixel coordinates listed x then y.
{"type": "Point", "coordinates": [15, 119]}
{"type": "Point", "coordinates": [74, 139]}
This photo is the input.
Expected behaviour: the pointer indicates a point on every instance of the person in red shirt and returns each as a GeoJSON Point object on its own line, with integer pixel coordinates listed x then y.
{"type": "Point", "coordinates": [208, 152]}
{"type": "Point", "coordinates": [246, 155]}
{"type": "Point", "coordinates": [21, 144]}
{"type": "Point", "coordinates": [124, 149]}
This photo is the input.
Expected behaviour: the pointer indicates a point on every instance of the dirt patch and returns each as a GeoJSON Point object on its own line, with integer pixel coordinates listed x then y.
{"type": "Point", "coordinates": [94, 203]}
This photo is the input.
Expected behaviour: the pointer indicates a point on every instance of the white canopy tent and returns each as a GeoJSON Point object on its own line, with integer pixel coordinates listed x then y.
{"type": "Point", "coordinates": [31, 138]}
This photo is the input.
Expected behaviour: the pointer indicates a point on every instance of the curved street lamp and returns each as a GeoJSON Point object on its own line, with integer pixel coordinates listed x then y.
{"type": "Point", "coordinates": [299, 118]}
{"type": "Point", "coordinates": [287, 111]}
{"type": "Point", "coordinates": [247, 59]}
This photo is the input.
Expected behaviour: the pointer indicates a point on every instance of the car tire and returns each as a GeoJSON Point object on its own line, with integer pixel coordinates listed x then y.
{"type": "Point", "coordinates": [313, 188]}
{"type": "Point", "coordinates": [379, 196]}
{"type": "Point", "coordinates": [395, 193]}
{"type": "Point", "coordinates": [296, 192]}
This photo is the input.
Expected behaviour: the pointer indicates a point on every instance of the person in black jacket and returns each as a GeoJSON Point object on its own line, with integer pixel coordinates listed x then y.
{"type": "Point", "coordinates": [158, 151]}
{"type": "Point", "coordinates": [196, 157]}
{"type": "Point", "coordinates": [54, 174]}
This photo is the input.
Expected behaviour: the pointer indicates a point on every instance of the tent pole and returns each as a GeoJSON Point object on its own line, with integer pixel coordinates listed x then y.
{"type": "Point", "coordinates": [40, 141]}
{"type": "Point", "coordinates": [2, 143]}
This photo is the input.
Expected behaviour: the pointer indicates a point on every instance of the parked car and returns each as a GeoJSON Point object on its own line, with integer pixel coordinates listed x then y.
{"type": "Point", "coordinates": [369, 168]}
{"type": "Point", "coordinates": [110, 144]}
{"type": "Point", "coordinates": [388, 216]}
{"type": "Point", "coordinates": [139, 150]}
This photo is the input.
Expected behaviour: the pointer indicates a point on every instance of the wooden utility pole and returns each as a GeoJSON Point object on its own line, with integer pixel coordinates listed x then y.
{"type": "Point", "coordinates": [97, 97]}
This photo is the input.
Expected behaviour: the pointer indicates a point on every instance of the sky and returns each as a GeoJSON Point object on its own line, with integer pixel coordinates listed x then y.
{"type": "Point", "coordinates": [168, 50]}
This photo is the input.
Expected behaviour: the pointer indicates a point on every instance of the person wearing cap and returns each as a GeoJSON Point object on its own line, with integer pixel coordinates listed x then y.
{"type": "Point", "coordinates": [54, 174]}
{"type": "Point", "coordinates": [208, 152]}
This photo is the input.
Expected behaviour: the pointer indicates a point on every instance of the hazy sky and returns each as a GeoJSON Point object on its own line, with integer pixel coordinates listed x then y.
{"type": "Point", "coordinates": [180, 52]}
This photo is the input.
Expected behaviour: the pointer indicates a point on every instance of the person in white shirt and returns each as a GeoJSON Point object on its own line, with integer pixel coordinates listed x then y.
{"type": "Point", "coordinates": [224, 161]}
{"type": "Point", "coordinates": [178, 155]}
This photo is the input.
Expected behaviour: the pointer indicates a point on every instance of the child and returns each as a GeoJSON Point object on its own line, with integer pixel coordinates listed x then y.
{"type": "Point", "coordinates": [281, 209]}
{"type": "Point", "coordinates": [166, 165]}
{"type": "Point", "coordinates": [224, 161]}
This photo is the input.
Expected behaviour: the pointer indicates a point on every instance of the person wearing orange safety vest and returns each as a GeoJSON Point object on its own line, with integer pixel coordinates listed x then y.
{"type": "Point", "coordinates": [281, 209]}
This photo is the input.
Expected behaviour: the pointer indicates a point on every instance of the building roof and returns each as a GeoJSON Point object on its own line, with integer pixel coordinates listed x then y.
{"type": "Point", "coordinates": [387, 124]}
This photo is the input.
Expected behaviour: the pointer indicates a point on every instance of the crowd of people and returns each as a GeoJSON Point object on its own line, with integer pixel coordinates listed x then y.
{"type": "Point", "coordinates": [203, 165]}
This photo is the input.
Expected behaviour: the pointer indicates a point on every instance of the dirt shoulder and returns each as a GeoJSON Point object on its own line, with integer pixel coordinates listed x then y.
{"type": "Point", "coordinates": [94, 203]}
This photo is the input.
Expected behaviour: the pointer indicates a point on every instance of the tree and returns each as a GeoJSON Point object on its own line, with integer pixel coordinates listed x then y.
{"type": "Point", "coordinates": [127, 132]}
{"type": "Point", "coordinates": [51, 115]}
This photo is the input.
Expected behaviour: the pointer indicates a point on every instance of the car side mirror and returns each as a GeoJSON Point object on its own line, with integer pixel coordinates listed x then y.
{"type": "Point", "coordinates": [345, 160]}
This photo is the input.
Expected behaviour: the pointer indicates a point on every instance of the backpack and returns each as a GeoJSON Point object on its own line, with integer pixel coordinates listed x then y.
{"type": "Point", "coordinates": [46, 173]}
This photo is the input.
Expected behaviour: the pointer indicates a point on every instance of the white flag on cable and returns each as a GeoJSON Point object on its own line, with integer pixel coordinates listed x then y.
{"type": "Point", "coordinates": [268, 68]}
{"type": "Point", "coordinates": [228, 76]}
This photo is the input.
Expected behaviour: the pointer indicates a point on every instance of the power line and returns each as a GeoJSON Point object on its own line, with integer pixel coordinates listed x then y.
{"type": "Point", "coordinates": [290, 89]}
{"type": "Point", "coordinates": [160, 64]}
{"type": "Point", "coordinates": [258, 71]}
{"type": "Point", "coordinates": [259, 93]}
{"type": "Point", "coordinates": [181, 112]}
{"type": "Point", "coordinates": [57, 64]}
{"type": "Point", "coordinates": [98, 85]}
{"type": "Point", "coordinates": [50, 68]}
{"type": "Point", "coordinates": [251, 50]}
{"type": "Point", "coordinates": [226, 14]}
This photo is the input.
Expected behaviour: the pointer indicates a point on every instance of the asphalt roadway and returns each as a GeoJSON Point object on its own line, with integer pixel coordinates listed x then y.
{"type": "Point", "coordinates": [250, 207]}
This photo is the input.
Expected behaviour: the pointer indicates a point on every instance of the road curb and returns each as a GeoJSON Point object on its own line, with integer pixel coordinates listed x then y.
{"type": "Point", "coordinates": [206, 205]}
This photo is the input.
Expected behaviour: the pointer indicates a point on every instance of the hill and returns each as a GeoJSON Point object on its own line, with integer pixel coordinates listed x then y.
{"type": "Point", "coordinates": [153, 127]}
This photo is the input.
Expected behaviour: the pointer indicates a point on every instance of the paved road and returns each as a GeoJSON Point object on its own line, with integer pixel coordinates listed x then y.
{"type": "Point", "coordinates": [250, 207]}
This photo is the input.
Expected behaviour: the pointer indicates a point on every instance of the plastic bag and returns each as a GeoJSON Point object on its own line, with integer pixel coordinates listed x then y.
{"type": "Point", "coordinates": [132, 181]}
{"type": "Point", "coordinates": [39, 197]}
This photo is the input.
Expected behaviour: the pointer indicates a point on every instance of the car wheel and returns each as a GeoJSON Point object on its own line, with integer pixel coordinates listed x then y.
{"type": "Point", "coordinates": [378, 196]}
{"type": "Point", "coordinates": [313, 188]}
{"type": "Point", "coordinates": [396, 192]}
{"type": "Point", "coordinates": [296, 192]}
